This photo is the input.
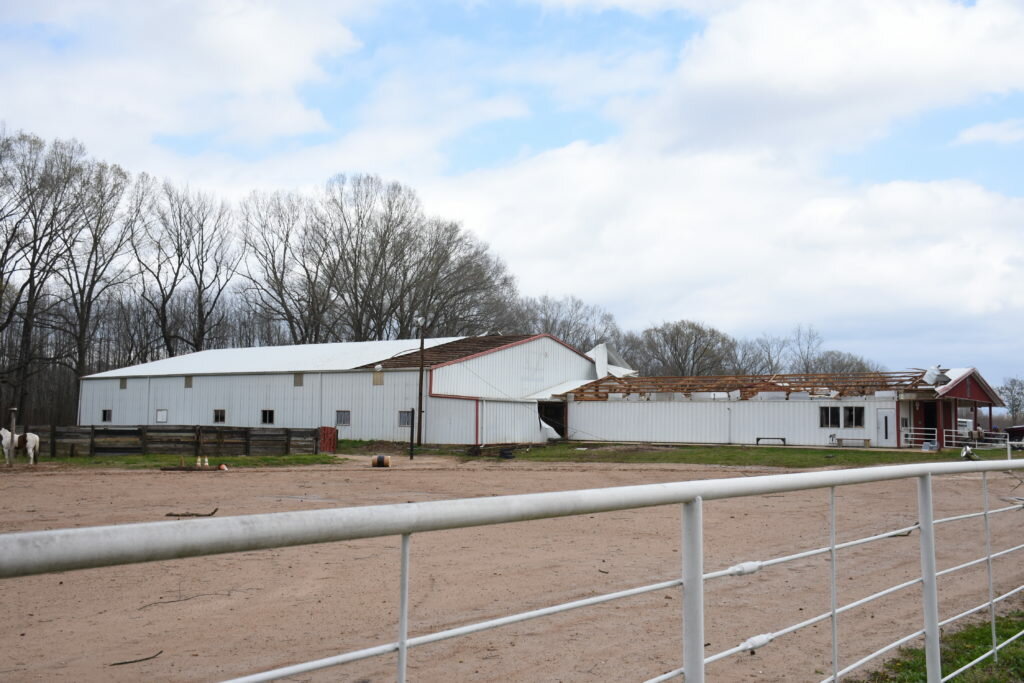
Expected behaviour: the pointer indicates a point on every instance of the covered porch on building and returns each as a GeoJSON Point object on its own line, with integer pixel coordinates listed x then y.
{"type": "Point", "coordinates": [955, 411]}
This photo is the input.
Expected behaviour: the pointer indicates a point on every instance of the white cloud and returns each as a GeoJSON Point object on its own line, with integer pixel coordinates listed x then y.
{"type": "Point", "coordinates": [739, 242]}
{"type": "Point", "coordinates": [587, 79]}
{"type": "Point", "coordinates": [643, 7]}
{"type": "Point", "coordinates": [817, 76]}
{"type": "Point", "coordinates": [1003, 132]}
{"type": "Point", "coordinates": [115, 75]}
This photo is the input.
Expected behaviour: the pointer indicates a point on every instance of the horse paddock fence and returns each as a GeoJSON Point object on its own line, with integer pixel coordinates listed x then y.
{"type": "Point", "coordinates": [38, 552]}
{"type": "Point", "coordinates": [57, 441]}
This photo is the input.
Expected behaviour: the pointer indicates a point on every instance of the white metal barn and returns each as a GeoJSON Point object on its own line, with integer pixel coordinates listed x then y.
{"type": "Point", "coordinates": [477, 390]}
{"type": "Point", "coordinates": [874, 409]}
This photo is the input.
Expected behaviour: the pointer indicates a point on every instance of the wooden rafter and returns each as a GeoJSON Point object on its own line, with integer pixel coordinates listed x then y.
{"type": "Point", "coordinates": [845, 384]}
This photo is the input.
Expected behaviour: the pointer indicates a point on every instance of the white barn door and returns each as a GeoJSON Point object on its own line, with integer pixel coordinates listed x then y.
{"type": "Point", "coordinates": [885, 427]}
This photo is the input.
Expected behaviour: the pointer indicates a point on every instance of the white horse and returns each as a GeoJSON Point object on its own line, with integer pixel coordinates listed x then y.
{"type": "Point", "coordinates": [29, 441]}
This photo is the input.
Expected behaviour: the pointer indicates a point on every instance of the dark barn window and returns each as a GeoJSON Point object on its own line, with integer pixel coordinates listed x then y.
{"type": "Point", "coordinates": [829, 416]}
{"type": "Point", "coordinates": [853, 416]}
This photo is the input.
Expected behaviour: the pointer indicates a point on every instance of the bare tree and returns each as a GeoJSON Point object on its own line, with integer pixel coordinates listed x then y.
{"type": "Point", "coordinates": [457, 285]}
{"type": "Point", "coordinates": [839, 362]}
{"type": "Point", "coordinates": [805, 348]}
{"type": "Point", "coordinates": [290, 270]}
{"type": "Point", "coordinates": [186, 260]}
{"type": "Point", "coordinates": [572, 320]}
{"type": "Point", "coordinates": [94, 260]}
{"type": "Point", "coordinates": [47, 182]}
{"type": "Point", "coordinates": [685, 348]}
{"type": "Point", "coordinates": [210, 266]}
{"type": "Point", "coordinates": [1012, 393]}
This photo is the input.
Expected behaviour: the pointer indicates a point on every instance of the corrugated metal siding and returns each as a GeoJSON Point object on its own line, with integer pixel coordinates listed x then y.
{"type": "Point", "coordinates": [450, 420]}
{"type": "Point", "coordinates": [508, 422]}
{"type": "Point", "coordinates": [514, 372]}
{"type": "Point", "coordinates": [374, 408]}
{"type": "Point", "coordinates": [128, 406]}
{"type": "Point", "coordinates": [242, 397]}
{"type": "Point", "coordinates": [740, 422]}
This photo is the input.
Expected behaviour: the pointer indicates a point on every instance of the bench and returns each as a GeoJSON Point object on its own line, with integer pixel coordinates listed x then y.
{"type": "Point", "coordinates": [865, 442]}
{"type": "Point", "coordinates": [771, 438]}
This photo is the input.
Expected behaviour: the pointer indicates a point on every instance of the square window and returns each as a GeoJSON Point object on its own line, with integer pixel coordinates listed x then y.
{"type": "Point", "coordinates": [107, 415]}
{"type": "Point", "coordinates": [828, 416]}
{"type": "Point", "coordinates": [343, 418]}
{"type": "Point", "coordinates": [297, 379]}
{"type": "Point", "coordinates": [218, 415]}
{"type": "Point", "coordinates": [405, 418]}
{"type": "Point", "coordinates": [161, 415]}
{"type": "Point", "coordinates": [267, 417]}
{"type": "Point", "coordinates": [188, 381]}
{"type": "Point", "coordinates": [853, 416]}
{"type": "Point", "coordinates": [124, 383]}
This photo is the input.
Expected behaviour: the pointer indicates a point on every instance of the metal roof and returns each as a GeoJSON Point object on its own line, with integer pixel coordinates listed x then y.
{"type": "Point", "coordinates": [276, 359]}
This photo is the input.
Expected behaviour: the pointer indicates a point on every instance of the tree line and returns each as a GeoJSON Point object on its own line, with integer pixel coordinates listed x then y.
{"type": "Point", "coordinates": [101, 269]}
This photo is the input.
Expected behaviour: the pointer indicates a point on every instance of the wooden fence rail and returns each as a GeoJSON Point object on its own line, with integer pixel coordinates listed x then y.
{"type": "Point", "coordinates": [61, 442]}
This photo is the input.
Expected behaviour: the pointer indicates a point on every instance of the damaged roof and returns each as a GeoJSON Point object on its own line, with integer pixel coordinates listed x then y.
{"type": "Point", "coordinates": [822, 385]}
{"type": "Point", "coordinates": [448, 352]}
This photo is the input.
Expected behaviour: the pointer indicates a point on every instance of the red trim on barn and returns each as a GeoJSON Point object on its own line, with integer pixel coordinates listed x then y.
{"type": "Point", "coordinates": [972, 387]}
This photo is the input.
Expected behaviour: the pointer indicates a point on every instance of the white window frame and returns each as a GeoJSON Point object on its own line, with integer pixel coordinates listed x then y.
{"type": "Point", "coordinates": [828, 422]}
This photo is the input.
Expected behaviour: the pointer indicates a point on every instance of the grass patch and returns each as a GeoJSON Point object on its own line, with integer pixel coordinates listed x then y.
{"type": "Point", "coordinates": [958, 649]}
{"type": "Point", "coordinates": [355, 447]}
{"type": "Point", "coordinates": [156, 461]}
{"type": "Point", "coordinates": [763, 456]}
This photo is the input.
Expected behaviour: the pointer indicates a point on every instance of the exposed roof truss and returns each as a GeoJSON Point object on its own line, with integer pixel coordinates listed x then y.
{"type": "Point", "coordinates": [828, 384]}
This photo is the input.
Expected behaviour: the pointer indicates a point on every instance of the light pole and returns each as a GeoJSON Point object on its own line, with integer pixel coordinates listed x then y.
{"type": "Point", "coordinates": [421, 321]}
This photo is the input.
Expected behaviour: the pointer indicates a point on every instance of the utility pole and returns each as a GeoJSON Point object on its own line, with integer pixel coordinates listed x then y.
{"type": "Point", "coordinates": [419, 396]}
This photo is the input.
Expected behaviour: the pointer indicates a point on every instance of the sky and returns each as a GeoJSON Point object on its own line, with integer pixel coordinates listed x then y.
{"type": "Point", "coordinates": [854, 165]}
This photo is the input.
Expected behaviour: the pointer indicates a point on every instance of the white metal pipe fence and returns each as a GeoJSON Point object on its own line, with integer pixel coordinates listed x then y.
{"type": "Point", "coordinates": [66, 549]}
{"type": "Point", "coordinates": [976, 438]}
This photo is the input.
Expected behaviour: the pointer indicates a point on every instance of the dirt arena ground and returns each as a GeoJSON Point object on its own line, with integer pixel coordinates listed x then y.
{"type": "Point", "coordinates": [217, 617]}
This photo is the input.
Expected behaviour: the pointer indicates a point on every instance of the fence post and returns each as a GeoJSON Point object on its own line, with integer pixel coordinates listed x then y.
{"type": "Point", "coordinates": [833, 586]}
{"type": "Point", "coordinates": [693, 591]}
{"type": "Point", "coordinates": [53, 442]}
{"type": "Point", "coordinates": [929, 588]}
{"type": "Point", "coordinates": [403, 607]}
{"type": "Point", "coordinates": [199, 441]}
{"type": "Point", "coordinates": [92, 440]}
{"type": "Point", "coordinates": [287, 441]}
{"type": "Point", "coordinates": [143, 439]}
{"type": "Point", "coordinates": [248, 440]}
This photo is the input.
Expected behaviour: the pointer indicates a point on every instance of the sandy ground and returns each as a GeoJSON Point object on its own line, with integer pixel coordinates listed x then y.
{"type": "Point", "coordinates": [228, 615]}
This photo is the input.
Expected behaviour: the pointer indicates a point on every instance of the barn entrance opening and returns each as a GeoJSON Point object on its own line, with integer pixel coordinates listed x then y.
{"type": "Point", "coordinates": [931, 414]}
{"type": "Point", "coordinates": [553, 413]}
